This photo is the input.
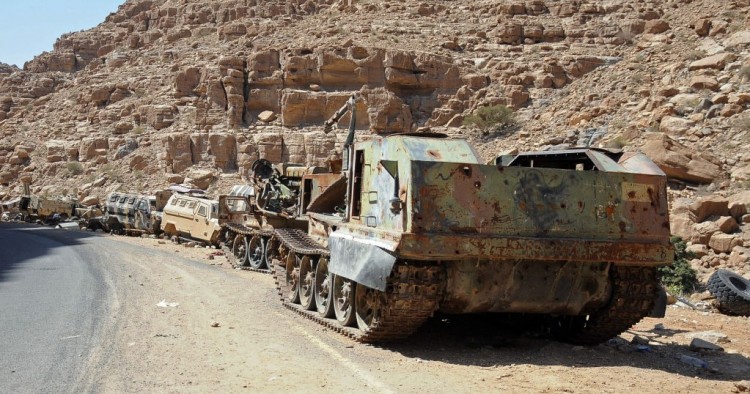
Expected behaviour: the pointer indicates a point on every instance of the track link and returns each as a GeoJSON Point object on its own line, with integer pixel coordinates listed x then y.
{"type": "Point", "coordinates": [236, 228]}
{"type": "Point", "coordinates": [632, 299]}
{"type": "Point", "coordinates": [411, 297]}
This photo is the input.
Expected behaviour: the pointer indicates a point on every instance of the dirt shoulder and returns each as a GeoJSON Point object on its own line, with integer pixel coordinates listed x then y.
{"type": "Point", "coordinates": [260, 346]}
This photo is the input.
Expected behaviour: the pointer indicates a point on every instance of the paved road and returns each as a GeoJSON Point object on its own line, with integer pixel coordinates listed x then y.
{"type": "Point", "coordinates": [52, 300]}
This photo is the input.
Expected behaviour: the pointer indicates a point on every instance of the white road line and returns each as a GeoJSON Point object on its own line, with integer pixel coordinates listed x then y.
{"type": "Point", "coordinates": [359, 372]}
{"type": "Point", "coordinates": [70, 337]}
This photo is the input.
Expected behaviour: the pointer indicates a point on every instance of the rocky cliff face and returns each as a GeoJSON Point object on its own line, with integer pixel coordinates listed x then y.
{"type": "Point", "coordinates": [164, 90]}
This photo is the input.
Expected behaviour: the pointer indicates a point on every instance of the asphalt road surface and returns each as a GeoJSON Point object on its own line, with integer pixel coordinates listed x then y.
{"type": "Point", "coordinates": [52, 298]}
{"type": "Point", "coordinates": [84, 312]}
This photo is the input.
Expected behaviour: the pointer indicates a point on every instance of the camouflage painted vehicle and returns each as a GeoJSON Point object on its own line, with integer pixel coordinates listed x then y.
{"type": "Point", "coordinates": [570, 238]}
{"type": "Point", "coordinates": [192, 217]}
{"type": "Point", "coordinates": [250, 213]}
{"type": "Point", "coordinates": [47, 209]}
{"type": "Point", "coordinates": [129, 213]}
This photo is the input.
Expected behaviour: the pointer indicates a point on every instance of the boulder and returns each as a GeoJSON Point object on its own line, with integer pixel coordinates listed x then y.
{"type": "Point", "coordinates": [702, 27]}
{"type": "Point", "coordinates": [739, 257]}
{"type": "Point", "coordinates": [701, 82]}
{"type": "Point", "coordinates": [698, 344]}
{"type": "Point", "coordinates": [267, 116]}
{"type": "Point", "coordinates": [724, 243]}
{"type": "Point", "coordinates": [709, 206]}
{"type": "Point", "coordinates": [717, 62]}
{"type": "Point", "coordinates": [681, 225]}
{"type": "Point", "coordinates": [201, 178]}
{"type": "Point", "coordinates": [655, 26]}
{"type": "Point", "coordinates": [90, 200]}
{"type": "Point", "coordinates": [727, 224]}
{"type": "Point", "coordinates": [675, 126]}
{"type": "Point", "coordinates": [738, 39]}
{"type": "Point", "coordinates": [702, 232]}
{"type": "Point", "coordinates": [741, 198]}
{"type": "Point", "coordinates": [177, 152]}
{"type": "Point", "coordinates": [699, 250]}
{"type": "Point", "coordinates": [224, 149]}
{"type": "Point", "coordinates": [175, 178]}
{"type": "Point", "coordinates": [679, 161]}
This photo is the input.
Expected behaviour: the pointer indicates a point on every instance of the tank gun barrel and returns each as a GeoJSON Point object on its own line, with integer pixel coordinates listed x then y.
{"type": "Point", "coordinates": [347, 107]}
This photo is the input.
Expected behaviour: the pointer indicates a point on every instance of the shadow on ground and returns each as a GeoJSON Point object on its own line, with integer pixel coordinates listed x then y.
{"type": "Point", "coordinates": [496, 340]}
{"type": "Point", "coordinates": [23, 242]}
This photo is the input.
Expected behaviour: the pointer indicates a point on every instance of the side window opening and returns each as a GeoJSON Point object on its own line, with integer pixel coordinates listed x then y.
{"type": "Point", "coordinates": [202, 211]}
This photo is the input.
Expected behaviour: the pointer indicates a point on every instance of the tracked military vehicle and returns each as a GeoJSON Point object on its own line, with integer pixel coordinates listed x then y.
{"type": "Point", "coordinates": [417, 224]}
{"type": "Point", "coordinates": [250, 213]}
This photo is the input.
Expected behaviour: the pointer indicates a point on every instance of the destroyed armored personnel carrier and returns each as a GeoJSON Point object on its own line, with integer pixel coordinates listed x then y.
{"type": "Point", "coordinates": [571, 237]}
{"type": "Point", "coordinates": [270, 200]}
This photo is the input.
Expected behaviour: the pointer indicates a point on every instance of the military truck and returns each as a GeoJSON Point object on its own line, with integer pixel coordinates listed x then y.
{"type": "Point", "coordinates": [193, 217]}
{"type": "Point", "coordinates": [128, 213]}
{"type": "Point", "coordinates": [47, 209]}
{"type": "Point", "coordinates": [249, 213]}
{"type": "Point", "coordinates": [570, 238]}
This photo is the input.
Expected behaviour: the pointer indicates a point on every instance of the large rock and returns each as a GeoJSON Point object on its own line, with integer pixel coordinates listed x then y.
{"type": "Point", "coordinates": [177, 152]}
{"type": "Point", "coordinates": [716, 62]}
{"type": "Point", "coordinates": [702, 232]}
{"type": "Point", "coordinates": [724, 243]}
{"type": "Point", "coordinates": [737, 202]}
{"type": "Point", "coordinates": [709, 206]}
{"type": "Point", "coordinates": [158, 116]}
{"type": "Point", "coordinates": [675, 126]}
{"type": "Point", "coordinates": [727, 224]}
{"type": "Point", "coordinates": [738, 39]}
{"type": "Point", "coordinates": [201, 178]}
{"type": "Point", "coordinates": [224, 150]}
{"type": "Point", "coordinates": [679, 161]}
{"type": "Point", "coordinates": [386, 112]}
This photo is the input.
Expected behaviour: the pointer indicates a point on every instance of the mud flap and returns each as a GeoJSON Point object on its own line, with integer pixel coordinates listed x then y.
{"type": "Point", "coordinates": [660, 304]}
{"type": "Point", "coordinates": [360, 260]}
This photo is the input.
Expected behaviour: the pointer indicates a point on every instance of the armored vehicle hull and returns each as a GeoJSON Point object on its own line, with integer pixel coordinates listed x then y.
{"type": "Point", "coordinates": [572, 238]}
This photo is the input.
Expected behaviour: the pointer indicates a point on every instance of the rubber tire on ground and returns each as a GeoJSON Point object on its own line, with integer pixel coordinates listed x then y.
{"type": "Point", "coordinates": [732, 292]}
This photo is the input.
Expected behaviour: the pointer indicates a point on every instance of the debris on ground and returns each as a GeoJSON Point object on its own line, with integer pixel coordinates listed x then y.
{"type": "Point", "coordinates": [698, 344]}
{"type": "Point", "coordinates": [696, 362]}
{"type": "Point", "coordinates": [165, 304]}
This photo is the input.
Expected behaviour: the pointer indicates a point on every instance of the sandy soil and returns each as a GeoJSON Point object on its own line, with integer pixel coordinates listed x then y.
{"type": "Point", "coordinates": [260, 346]}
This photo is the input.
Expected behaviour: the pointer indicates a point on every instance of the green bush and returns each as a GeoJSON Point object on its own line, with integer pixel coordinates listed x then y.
{"type": "Point", "coordinates": [489, 118]}
{"type": "Point", "coordinates": [680, 277]}
{"type": "Point", "coordinates": [74, 168]}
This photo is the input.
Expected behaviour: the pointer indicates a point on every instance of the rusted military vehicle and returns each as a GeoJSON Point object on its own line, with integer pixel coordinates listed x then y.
{"type": "Point", "coordinates": [47, 209]}
{"type": "Point", "coordinates": [192, 216]}
{"type": "Point", "coordinates": [572, 238]}
{"type": "Point", "coordinates": [249, 213]}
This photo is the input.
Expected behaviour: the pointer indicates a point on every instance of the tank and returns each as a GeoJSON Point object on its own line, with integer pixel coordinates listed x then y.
{"type": "Point", "coordinates": [417, 224]}
{"type": "Point", "coordinates": [270, 199]}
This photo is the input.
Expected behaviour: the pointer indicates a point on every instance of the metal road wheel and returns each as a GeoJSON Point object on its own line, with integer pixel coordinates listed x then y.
{"type": "Point", "coordinates": [292, 277]}
{"type": "Point", "coordinates": [239, 249]}
{"type": "Point", "coordinates": [256, 254]}
{"type": "Point", "coordinates": [322, 290]}
{"type": "Point", "coordinates": [369, 306]}
{"type": "Point", "coordinates": [271, 252]}
{"type": "Point", "coordinates": [343, 300]}
{"type": "Point", "coordinates": [307, 283]}
{"type": "Point", "coordinates": [228, 238]}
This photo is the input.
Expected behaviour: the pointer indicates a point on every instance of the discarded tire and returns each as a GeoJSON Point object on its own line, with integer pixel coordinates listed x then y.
{"type": "Point", "coordinates": [732, 292]}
